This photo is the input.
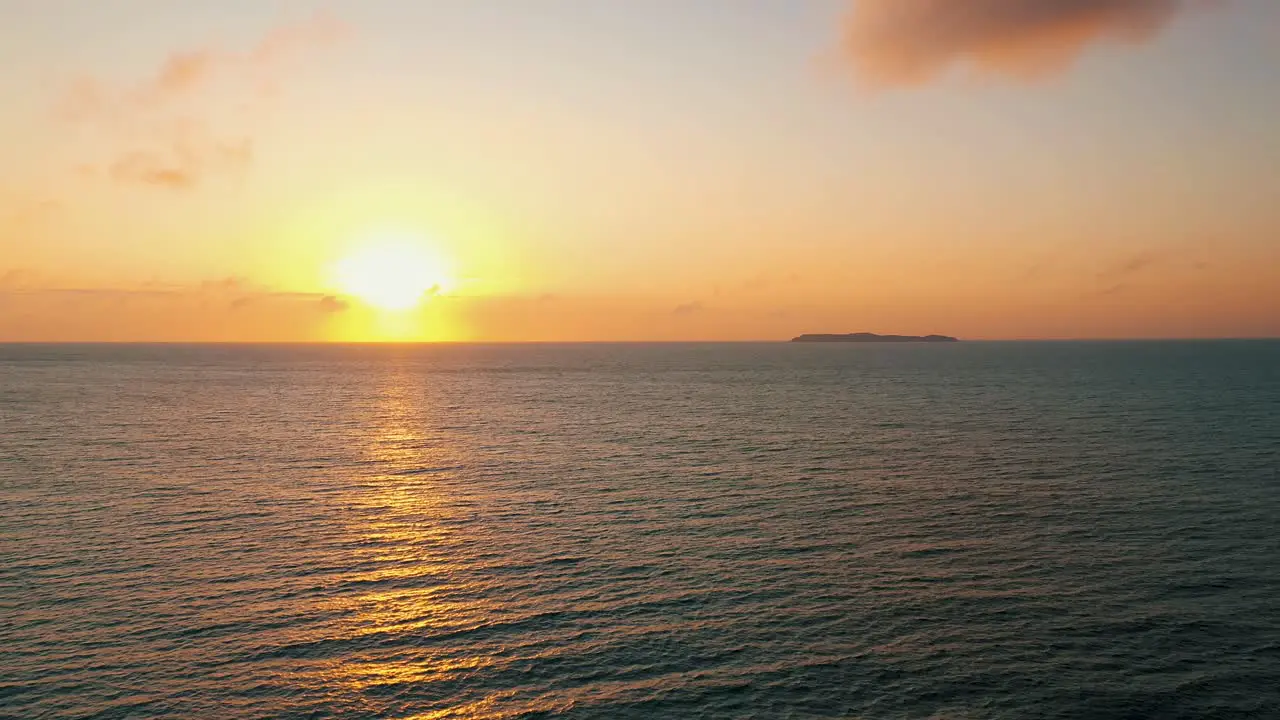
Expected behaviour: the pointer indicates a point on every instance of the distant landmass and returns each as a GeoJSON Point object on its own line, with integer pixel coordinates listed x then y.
{"type": "Point", "coordinates": [874, 338]}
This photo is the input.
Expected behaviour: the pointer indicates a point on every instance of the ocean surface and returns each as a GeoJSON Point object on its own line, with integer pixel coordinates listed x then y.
{"type": "Point", "coordinates": [980, 530]}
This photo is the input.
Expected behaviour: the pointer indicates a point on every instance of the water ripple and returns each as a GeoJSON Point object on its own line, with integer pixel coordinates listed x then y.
{"type": "Point", "coordinates": [970, 531]}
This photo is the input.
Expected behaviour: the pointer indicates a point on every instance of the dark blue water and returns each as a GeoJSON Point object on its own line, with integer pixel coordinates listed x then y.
{"type": "Point", "coordinates": [981, 530]}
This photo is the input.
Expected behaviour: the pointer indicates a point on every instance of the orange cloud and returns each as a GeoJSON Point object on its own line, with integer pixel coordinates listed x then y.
{"type": "Point", "coordinates": [185, 71]}
{"type": "Point", "coordinates": [285, 42]}
{"type": "Point", "coordinates": [912, 42]}
{"type": "Point", "coordinates": [183, 165]}
{"type": "Point", "coordinates": [164, 145]}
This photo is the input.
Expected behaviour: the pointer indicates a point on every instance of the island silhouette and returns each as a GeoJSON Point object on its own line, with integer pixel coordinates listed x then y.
{"type": "Point", "coordinates": [865, 337]}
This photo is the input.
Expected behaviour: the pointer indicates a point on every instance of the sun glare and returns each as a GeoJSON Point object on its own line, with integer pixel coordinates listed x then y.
{"type": "Point", "coordinates": [392, 273]}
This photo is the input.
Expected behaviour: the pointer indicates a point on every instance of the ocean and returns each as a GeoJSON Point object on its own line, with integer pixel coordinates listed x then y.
{"type": "Point", "coordinates": [978, 530]}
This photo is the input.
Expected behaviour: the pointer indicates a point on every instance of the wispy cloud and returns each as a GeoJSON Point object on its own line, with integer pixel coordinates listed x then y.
{"type": "Point", "coordinates": [15, 279]}
{"type": "Point", "coordinates": [291, 42]}
{"type": "Point", "coordinates": [185, 71]}
{"type": "Point", "coordinates": [692, 308]}
{"type": "Point", "coordinates": [1133, 265]}
{"type": "Point", "coordinates": [27, 214]}
{"type": "Point", "coordinates": [913, 42]}
{"type": "Point", "coordinates": [183, 164]}
{"type": "Point", "coordinates": [233, 293]}
{"type": "Point", "coordinates": [334, 304]}
{"type": "Point", "coordinates": [37, 307]}
{"type": "Point", "coordinates": [1139, 268]}
{"type": "Point", "coordinates": [165, 126]}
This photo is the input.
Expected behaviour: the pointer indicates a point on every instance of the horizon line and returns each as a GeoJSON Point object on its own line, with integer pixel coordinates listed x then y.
{"type": "Point", "coordinates": [961, 341]}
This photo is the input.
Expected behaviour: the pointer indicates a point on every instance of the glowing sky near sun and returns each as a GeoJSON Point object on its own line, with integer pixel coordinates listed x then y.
{"type": "Point", "coordinates": [614, 170]}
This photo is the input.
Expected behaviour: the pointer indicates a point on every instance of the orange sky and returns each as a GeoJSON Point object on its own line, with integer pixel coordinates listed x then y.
{"type": "Point", "coordinates": [565, 171]}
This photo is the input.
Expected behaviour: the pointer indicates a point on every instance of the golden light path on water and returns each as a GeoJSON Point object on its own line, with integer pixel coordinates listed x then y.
{"type": "Point", "coordinates": [403, 531]}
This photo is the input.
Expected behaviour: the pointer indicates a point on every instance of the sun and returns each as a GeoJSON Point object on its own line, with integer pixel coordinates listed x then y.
{"type": "Point", "coordinates": [392, 272]}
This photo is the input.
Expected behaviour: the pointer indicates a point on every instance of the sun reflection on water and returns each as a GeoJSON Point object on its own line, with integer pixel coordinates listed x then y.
{"type": "Point", "coordinates": [408, 586]}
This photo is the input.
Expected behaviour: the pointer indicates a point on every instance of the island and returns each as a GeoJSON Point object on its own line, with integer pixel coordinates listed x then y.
{"type": "Point", "coordinates": [874, 338]}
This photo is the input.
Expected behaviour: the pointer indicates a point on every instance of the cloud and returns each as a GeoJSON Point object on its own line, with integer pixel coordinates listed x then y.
{"type": "Point", "coordinates": [149, 169]}
{"type": "Point", "coordinates": [287, 42]}
{"type": "Point", "coordinates": [763, 282]}
{"type": "Point", "coordinates": [1133, 265]}
{"type": "Point", "coordinates": [36, 308]}
{"type": "Point", "coordinates": [1145, 266]}
{"type": "Point", "coordinates": [227, 284]}
{"type": "Point", "coordinates": [17, 279]}
{"type": "Point", "coordinates": [912, 42]}
{"type": "Point", "coordinates": [333, 304]}
{"type": "Point", "coordinates": [165, 128]}
{"type": "Point", "coordinates": [182, 165]}
{"type": "Point", "coordinates": [185, 71]}
{"type": "Point", "coordinates": [686, 309]}
{"type": "Point", "coordinates": [231, 293]}
{"type": "Point", "coordinates": [26, 215]}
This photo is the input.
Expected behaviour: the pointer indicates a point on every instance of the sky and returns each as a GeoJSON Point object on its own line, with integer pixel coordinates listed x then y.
{"type": "Point", "coordinates": [607, 170]}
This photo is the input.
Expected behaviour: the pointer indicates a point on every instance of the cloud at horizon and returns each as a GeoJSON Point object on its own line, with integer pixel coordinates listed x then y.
{"type": "Point", "coordinates": [904, 43]}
